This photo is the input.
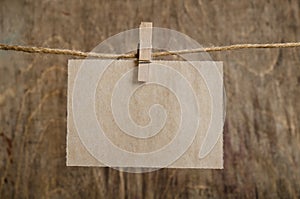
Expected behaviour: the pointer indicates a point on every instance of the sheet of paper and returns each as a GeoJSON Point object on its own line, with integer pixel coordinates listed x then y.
{"type": "Point", "coordinates": [174, 120]}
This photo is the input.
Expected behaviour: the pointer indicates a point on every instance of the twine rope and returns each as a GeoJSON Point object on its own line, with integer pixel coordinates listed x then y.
{"type": "Point", "coordinates": [44, 50]}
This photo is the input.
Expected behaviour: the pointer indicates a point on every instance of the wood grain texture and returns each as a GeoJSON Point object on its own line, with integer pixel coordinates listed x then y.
{"type": "Point", "coordinates": [262, 132]}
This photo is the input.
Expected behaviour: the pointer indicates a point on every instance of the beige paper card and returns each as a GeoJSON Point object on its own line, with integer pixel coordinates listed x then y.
{"type": "Point", "coordinates": [173, 120]}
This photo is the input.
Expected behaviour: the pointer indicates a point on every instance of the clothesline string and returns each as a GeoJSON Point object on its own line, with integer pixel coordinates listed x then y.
{"type": "Point", "coordinates": [77, 53]}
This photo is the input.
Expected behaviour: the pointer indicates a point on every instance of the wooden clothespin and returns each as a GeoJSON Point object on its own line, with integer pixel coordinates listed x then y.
{"type": "Point", "coordinates": [145, 51]}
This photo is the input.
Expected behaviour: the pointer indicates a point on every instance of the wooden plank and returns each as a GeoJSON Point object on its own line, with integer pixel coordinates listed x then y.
{"type": "Point", "coordinates": [261, 138]}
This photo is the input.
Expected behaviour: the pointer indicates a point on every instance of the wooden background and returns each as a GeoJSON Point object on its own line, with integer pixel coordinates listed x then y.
{"type": "Point", "coordinates": [261, 134]}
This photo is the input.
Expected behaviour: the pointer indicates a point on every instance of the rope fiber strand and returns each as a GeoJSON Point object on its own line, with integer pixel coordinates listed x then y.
{"type": "Point", "coordinates": [44, 50]}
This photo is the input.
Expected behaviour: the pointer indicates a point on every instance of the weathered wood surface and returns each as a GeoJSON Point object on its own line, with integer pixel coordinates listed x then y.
{"type": "Point", "coordinates": [261, 137]}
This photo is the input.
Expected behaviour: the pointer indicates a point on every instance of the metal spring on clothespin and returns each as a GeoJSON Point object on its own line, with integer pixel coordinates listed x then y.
{"type": "Point", "coordinates": [145, 51]}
